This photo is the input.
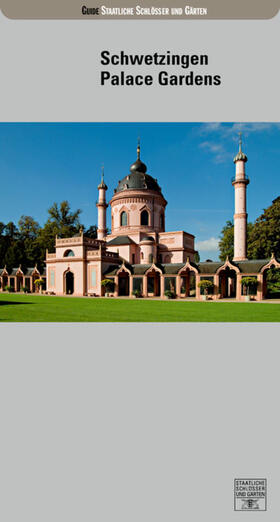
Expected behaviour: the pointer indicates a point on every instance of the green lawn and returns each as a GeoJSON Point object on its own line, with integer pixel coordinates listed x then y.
{"type": "Point", "coordinates": [22, 308]}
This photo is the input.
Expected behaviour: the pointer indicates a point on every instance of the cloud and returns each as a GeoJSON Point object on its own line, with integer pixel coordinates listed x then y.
{"type": "Point", "coordinates": [211, 244]}
{"type": "Point", "coordinates": [232, 129]}
{"type": "Point", "coordinates": [211, 127]}
{"type": "Point", "coordinates": [220, 155]}
{"type": "Point", "coordinates": [219, 137]}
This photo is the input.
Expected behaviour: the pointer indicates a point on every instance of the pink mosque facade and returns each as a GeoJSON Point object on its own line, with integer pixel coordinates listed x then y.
{"type": "Point", "coordinates": [139, 254]}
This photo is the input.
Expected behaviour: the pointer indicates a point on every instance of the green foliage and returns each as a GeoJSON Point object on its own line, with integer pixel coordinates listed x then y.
{"type": "Point", "coordinates": [9, 288]}
{"type": "Point", "coordinates": [226, 241]}
{"type": "Point", "coordinates": [108, 284]}
{"type": "Point", "coordinates": [170, 294]}
{"type": "Point", "coordinates": [26, 289]}
{"type": "Point", "coordinates": [91, 232]}
{"type": "Point", "coordinates": [250, 283]}
{"type": "Point", "coordinates": [263, 236]}
{"type": "Point", "coordinates": [39, 282]}
{"type": "Point", "coordinates": [273, 282]}
{"type": "Point", "coordinates": [206, 286]}
{"type": "Point", "coordinates": [137, 293]}
{"type": "Point", "coordinates": [26, 244]}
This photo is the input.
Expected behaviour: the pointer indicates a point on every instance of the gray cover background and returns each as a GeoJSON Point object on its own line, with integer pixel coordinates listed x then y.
{"type": "Point", "coordinates": [145, 427]}
{"type": "Point", "coordinates": [51, 70]}
{"type": "Point", "coordinates": [136, 422]}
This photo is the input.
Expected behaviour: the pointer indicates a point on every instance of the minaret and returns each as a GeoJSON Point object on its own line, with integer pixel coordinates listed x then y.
{"type": "Point", "coordinates": [240, 182]}
{"type": "Point", "coordinates": [102, 205]}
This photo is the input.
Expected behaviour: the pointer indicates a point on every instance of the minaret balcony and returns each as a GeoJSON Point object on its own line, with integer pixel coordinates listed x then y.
{"type": "Point", "coordinates": [244, 179]}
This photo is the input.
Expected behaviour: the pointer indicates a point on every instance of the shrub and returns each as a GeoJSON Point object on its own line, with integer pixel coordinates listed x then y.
{"type": "Point", "coordinates": [250, 283]}
{"type": "Point", "coordinates": [38, 282]}
{"type": "Point", "coordinates": [26, 289]}
{"type": "Point", "coordinates": [9, 288]}
{"type": "Point", "coordinates": [169, 294]}
{"type": "Point", "coordinates": [137, 293]}
{"type": "Point", "coordinates": [108, 284]}
{"type": "Point", "coordinates": [206, 285]}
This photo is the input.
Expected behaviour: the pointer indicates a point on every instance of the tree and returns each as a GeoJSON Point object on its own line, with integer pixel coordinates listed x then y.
{"type": "Point", "coordinates": [28, 227]}
{"type": "Point", "coordinates": [28, 239]}
{"type": "Point", "coordinates": [65, 222]}
{"type": "Point", "coordinates": [226, 243]}
{"type": "Point", "coordinates": [265, 236]}
{"type": "Point", "coordinates": [62, 223]}
{"type": "Point", "coordinates": [11, 249]}
{"type": "Point", "coordinates": [91, 232]}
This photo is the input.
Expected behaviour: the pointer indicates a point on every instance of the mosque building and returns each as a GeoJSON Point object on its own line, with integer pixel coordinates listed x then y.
{"type": "Point", "coordinates": [139, 255]}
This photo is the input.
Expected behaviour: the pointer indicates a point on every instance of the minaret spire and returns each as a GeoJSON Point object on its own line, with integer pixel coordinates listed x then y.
{"type": "Point", "coordinates": [240, 182]}
{"type": "Point", "coordinates": [101, 206]}
{"type": "Point", "coordinates": [240, 141]}
{"type": "Point", "coordinates": [138, 148]}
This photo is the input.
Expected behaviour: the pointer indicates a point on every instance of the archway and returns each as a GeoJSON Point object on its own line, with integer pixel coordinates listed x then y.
{"type": "Point", "coordinates": [227, 283]}
{"type": "Point", "coordinates": [69, 283]}
{"type": "Point", "coordinates": [271, 283]}
{"type": "Point", "coordinates": [19, 282]}
{"type": "Point", "coordinates": [4, 282]}
{"type": "Point", "coordinates": [153, 283]}
{"type": "Point", "coordinates": [188, 283]}
{"type": "Point", "coordinates": [123, 283]}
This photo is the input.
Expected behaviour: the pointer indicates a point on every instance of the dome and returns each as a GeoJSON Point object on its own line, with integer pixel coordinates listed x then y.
{"type": "Point", "coordinates": [240, 156]}
{"type": "Point", "coordinates": [138, 166]}
{"type": "Point", "coordinates": [102, 185]}
{"type": "Point", "coordinates": [138, 179]}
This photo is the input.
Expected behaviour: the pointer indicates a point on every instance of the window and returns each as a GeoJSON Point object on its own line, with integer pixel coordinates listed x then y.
{"type": "Point", "coordinates": [161, 221]}
{"type": "Point", "coordinates": [151, 258]}
{"type": "Point", "coordinates": [69, 253]}
{"type": "Point", "coordinates": [123, 219]}
{"type": "Point", "coordinates": [133, 259]}
{"type": "Point", "coordinates": [52, 277]}
{"type": "Point", "coordinates": [144, 218]}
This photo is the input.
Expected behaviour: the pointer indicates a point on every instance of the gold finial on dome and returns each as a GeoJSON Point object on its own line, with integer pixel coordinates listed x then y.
{"type": "Point", "coordinates": [138, 148]}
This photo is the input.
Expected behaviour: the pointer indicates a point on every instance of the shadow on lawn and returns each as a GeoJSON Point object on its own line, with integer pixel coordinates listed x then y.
{"type": "Point", "coordinates": [3, 303]}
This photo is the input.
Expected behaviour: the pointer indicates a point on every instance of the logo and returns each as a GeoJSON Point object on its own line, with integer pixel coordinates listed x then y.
{"type": "Point", "coordinates": [250, 494]}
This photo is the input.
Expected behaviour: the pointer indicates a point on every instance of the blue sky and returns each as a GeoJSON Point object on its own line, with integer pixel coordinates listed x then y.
{"type": "Point", "coordinates": [43, 163]}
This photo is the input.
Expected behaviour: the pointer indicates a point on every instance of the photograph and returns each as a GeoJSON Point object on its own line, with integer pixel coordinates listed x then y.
{"type": "Point", "coordinates": [139, 222]}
